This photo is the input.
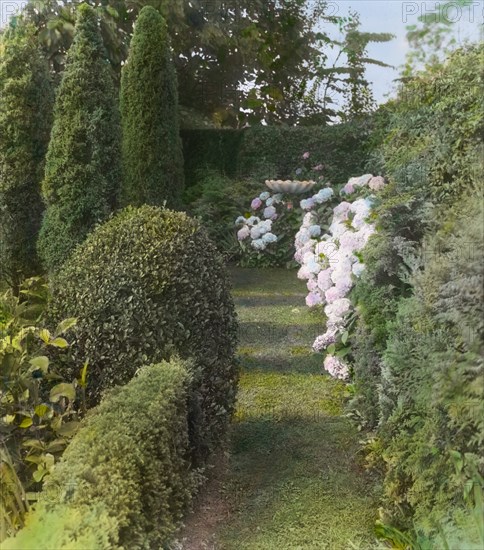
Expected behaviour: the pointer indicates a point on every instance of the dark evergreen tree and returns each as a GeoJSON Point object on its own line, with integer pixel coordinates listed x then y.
{"type": "Point", "coordinates": [83, 165]}
{"type": "Point", "coordinates": [152, 149]}
{"type": "Point", "coordinates": [26, 101]}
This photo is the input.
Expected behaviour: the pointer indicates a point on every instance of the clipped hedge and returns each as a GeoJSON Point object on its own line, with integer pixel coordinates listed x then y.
{"type": "Point", "coordinates": [125, 480]}
{"type": "Point", "coordinates": [275, 151]}
{"type": "Point", "coordinates": [145, 285]}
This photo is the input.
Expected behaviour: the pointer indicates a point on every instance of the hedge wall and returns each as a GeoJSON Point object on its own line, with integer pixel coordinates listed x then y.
{"type": "Point", "coordinates": [125, 480]}
{"type": "Point", "coordinates": [275, 151]}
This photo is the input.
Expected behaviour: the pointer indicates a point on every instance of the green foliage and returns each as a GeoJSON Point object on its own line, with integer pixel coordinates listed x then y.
{"type": "Point", "coordinates": [263, 60]}
{"type": "Point", "coordinates": [76, 528]}
{"type": "Point", "coordinates": [26, 99]}
{"type": "Point", "coordinates": [430, 155]}
{"type": "Point", "coordinates": [433, 146]}
{"type": "Point", "coordinates": [143, 286]}
{"type": "Point", "coordinates": [210, 150]}
{"type": "Point", "coordinates": [136, 442]}
{"type": "Point", "coordinates": [152, 149]}
{"type": "Point", "coordinates": [419, 343]}
{"type": "Point", "coordinates": [432, 380]}
{"type": "Point", "coordinates": [82, 172]}
{"type": "Point", "coordinates": [37, 409]}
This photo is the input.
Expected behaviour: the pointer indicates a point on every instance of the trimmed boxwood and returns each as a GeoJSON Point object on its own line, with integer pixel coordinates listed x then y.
{"type": "Point", "coordinates": [145, 285]}
{"type": "Point", "coordinates": [125, 480]}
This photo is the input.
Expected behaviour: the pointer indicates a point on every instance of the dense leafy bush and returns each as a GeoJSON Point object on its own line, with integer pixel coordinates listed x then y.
{"type": "Point", "coordinates": [435, 129]}
{"type": "Point", "coordinates": [82, 172]}
{"type": "Point", "coordinates": [432, 379]}
{"type": "Point", "coordinates": [152, 149]}
{"type": "Point", "coordinates": [211, 150]}
{"type": "Point", "coordinates": [125, 479]}
{"type": "Point", "coordinates": [217, 200]}
{"type": "Point", "coordinates": [26, 99]}
{"type": "Point", "coordinates": [275, 151]}
{"type": "Point", "coordinates": [143, 286]}
{"type": "Point", "coordinates": [419, 343]}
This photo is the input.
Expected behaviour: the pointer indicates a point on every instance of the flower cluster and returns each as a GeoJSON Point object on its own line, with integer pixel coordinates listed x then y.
{"type": "Point", "coordinates": [258, 229]}
{"type": "Point", "coordinates": [330, 261]}
{"type": "Point", "coordinates": [374, 183]}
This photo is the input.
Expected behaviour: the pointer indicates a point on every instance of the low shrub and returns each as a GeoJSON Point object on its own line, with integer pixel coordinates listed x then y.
{"type": "Point", "coordinates": [39, 412]}
{"type": "Point", "coordinates": [147, 284]}
{"type": "Point", "coordinates": [216, 201]}
{"type": "Point", "coordinates": [125, 479]}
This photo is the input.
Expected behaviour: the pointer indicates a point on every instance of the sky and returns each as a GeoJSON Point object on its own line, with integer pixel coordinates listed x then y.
{"type": "Point", "coordinates": [376, 16]}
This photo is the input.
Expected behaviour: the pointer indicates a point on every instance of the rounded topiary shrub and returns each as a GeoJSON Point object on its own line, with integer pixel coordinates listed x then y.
{"type": "Point", "coordinates": [148, 284]}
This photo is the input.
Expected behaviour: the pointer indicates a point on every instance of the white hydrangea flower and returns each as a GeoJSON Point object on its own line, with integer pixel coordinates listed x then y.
{"type": "Point", "coordinates": [255, 232]}
{"type": "Point", "coordinates": [258, 244]}
{"type": "Point", "coordinates": [314, 230]}
{"type": "Point", "coordinates": [269, 212]}
{"type": "Point", "coordinates": [358, 269]}
{"type": "Point", "coordinates": [253, 220]}
{"type": "Point", "coordinates": [336, 367]}
{"type": "Point", "coordinates": [264, 196]}
{"type": "Point", "coordinates": [269, 238]}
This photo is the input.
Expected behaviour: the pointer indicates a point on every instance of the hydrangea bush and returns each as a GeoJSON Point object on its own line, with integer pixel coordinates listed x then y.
{"type": "Point", "coordinates": [336, 225]}
{"type": "Point", "coordinates": [330, 260]}
{"type": "Point", "coordinates": [266, 232]}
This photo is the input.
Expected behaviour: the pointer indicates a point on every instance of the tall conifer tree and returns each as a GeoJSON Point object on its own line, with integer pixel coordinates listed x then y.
{"type": "Point", "coordinates": [152, 149]}
{"type": "Point", "coordinates": [26, 101]}
{"type": "Point", "coordinates": [83, 165]}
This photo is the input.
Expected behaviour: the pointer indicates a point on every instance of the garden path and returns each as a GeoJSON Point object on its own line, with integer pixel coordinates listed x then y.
{"type": "Point", "coordinates": [293, 477]}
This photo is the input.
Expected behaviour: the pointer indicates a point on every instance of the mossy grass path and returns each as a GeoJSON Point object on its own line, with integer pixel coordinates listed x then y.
{"type": "Point", "coordinates": [293, 478]}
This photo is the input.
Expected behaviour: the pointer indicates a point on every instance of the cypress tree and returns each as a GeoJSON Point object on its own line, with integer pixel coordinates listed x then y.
{"type": "Point", "coordinates": [152, 150]}
{"type": "Point", "coordinates": [26, 100]}
{"type": "Point", "coordinates": [83, 164]}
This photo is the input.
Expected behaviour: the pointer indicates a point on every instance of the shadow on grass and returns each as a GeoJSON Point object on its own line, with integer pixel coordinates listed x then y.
{"type": "Point", "coordinates": [266, 281]}
{"type": "Point", "coordinates": [310, 363]}
{"type": "Point", "coordinates": [273, 335]}
{"type": "Point", "coordinates": [295, 483]}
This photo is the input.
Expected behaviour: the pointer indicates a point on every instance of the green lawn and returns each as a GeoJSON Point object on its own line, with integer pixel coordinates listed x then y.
{"type": "Point", "coordinates": [293, 478]}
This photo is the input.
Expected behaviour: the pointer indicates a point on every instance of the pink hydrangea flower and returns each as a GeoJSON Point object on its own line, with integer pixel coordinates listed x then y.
{"type": "Point", "coordinates": [326, 339]}
{"type": "Point", "coordinates": [306, 155]}
{"type": "Point", "coordinates": [312, 285]}
{"type": "Point", "coordinates": [376, 183]}
{"type": "Point", "coordinates": [324, 279]}
{"type": "Point", "coordinates": [243, 233]}
{"type": "Point", "coordinates": [313, 299]}
{"type": "Point", "coordinates": [348, 189]}
{"type": "Point", "coordinates": [336, 367]}
{"type": "Point", "coordinates": [334, 293]}
{"type": "Point", "coordinates": [256, 203]}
